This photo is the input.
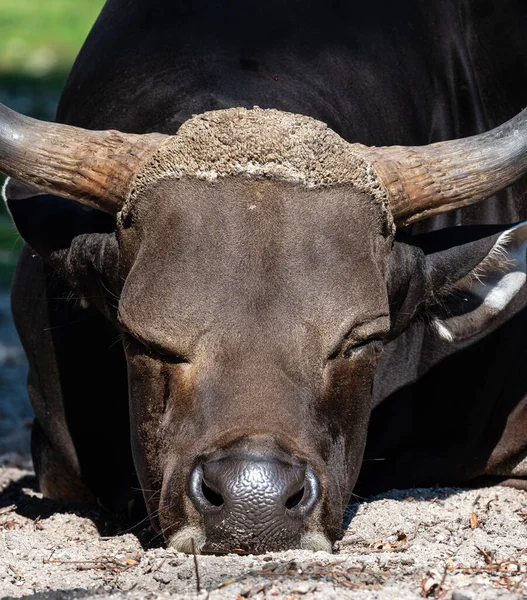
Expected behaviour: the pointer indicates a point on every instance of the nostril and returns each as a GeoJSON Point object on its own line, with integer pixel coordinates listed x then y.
{"type": "Point", "coordinates": [213, 497]}
{"type": "Point", "coordinates": [295, 499]}
{"type": "Point", "coordinates": [204, 496]}
{"type": "Point", "coordinates": [302, 502]}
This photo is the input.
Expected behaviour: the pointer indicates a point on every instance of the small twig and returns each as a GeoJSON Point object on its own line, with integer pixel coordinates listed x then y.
{"type": "Point", "coordinates": [18, 575]}
{"type": "Point", "coordinates": [416, 530]}
{"type": "Point", "coordinates": [494, 568]}
{"type": "Point", "coordinates": [487, 506]}
{"type": "Point", "coordinates": [439, 592]}
{"type": "Point", "coordinates": [198, 585]}
{"type": "Point", "coordinates": [95, 561]}
{"type": "Point", "coordinates": [7, 509]}
{"type": "Point", "coordinates": [518, 584]}
{"type": "Point", "coordinates": [311, 572]}
{"type": "Point", "coordinates": [488, 555]}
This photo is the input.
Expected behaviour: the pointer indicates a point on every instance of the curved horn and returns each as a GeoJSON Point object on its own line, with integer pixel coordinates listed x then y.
{"type": "Point", "coordinates": [92, 167]}
{"type": "Point", "coordinates": [423, 181]}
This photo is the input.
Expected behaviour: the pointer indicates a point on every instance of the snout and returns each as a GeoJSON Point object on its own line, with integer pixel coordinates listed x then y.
{"type": "Point", "coordinates": [252, 502]}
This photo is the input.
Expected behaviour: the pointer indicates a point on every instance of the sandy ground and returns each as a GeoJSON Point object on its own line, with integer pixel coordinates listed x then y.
{"type": "Point", "coordinates": [436, 543]}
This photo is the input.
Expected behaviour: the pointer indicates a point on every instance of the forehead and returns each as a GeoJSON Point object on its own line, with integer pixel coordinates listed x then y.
{"type": "Point", "coordinates": [235, 250]}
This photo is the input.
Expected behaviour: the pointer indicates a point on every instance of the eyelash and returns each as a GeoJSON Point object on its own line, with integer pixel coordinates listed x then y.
{"type": "Point", "coordinates": [374, 346]}
{"type": "Point", "coordinates": [172, 359]}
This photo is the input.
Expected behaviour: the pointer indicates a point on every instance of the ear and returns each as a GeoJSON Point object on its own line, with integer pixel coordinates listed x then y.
{"type": "Point", "coordinates": [50, 223]}
{"type": "Point", "coordinates": [78, 242]}
{"type": "Point", "coordinates": [466, 306]}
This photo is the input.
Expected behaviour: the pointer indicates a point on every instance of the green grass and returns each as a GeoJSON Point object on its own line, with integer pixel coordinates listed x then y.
{"type": "Point", "coordinates": [38, 36]}
{"type": "Point", "coordinates": [39, 40]}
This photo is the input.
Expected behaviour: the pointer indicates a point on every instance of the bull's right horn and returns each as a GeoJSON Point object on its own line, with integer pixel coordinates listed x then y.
{"type": "Point", "coordinates": [93, 167]}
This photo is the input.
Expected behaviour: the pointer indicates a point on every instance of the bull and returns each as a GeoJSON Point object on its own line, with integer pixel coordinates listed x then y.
{"type": "Point", "coordinates": [236, 291]}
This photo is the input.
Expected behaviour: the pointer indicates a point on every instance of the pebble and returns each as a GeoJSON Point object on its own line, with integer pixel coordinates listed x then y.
{"type": "Point", "coordinates": [302, 588]}
{"type": "Point", "coordinates": [460, 596]}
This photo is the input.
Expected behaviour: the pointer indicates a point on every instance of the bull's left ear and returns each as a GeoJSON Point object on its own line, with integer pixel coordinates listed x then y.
{"type": "Point", "coordinates": [464, 307]}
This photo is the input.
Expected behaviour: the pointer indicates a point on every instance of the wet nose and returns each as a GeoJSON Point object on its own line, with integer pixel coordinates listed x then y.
{"type": "Point", "coordinates": [253, 503]}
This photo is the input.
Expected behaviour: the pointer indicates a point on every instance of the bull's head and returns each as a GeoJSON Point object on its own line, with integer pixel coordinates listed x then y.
{"type": "Point", "coordinates": [257, 274]}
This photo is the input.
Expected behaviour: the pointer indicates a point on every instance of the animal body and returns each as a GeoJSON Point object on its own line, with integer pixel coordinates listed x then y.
{"type": "Point", "coordinates": [250, 303]}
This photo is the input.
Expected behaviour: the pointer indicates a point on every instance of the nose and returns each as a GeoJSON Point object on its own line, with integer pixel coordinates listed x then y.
{"type": "Point", "coordinates": [253, 503]}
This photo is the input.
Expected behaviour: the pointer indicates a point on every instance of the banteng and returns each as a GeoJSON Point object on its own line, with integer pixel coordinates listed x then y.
{"type": "Point", "coordinates": [271, 260]}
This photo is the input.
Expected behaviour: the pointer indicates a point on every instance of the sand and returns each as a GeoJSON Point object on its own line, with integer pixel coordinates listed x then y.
{"type": "Point", "coordinates": [437, 543]}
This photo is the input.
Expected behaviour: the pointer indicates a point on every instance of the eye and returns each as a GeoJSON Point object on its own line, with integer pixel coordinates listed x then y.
{"type": "Point", "coordinates": [167, 358]}
{"type": "Point", "coordinates": [373, 347]}
{"type": "Point", "coordinates": [154, 352]}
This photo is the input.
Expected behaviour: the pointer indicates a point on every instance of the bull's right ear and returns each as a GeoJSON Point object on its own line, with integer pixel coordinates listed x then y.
{"type": "Point", "coordinates": [468, 297]}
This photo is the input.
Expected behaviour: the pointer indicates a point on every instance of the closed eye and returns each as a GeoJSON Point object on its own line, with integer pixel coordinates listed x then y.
{"type": "Point", "coordinates": [367, 335]}
{"type": "Point", "coordinates": [153, 351]}
{"type": "Point", "coordinates": [373, 346]}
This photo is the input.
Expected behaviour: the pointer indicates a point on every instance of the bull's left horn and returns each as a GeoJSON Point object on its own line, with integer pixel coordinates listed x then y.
{"type": "Point", "coordinates": [423, 181]}
{"type": "Point", "coordinates": [93, 167]}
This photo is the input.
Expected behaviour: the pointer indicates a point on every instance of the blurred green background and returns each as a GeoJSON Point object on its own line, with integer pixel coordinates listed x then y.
{"type": "Point", "coordinates": [39, 40]}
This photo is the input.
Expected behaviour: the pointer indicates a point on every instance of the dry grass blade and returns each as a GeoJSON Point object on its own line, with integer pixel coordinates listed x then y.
{"type": "Point", "coordinates": [198, 584]}
{"type": "Point", "coordinates": [103, 563]}
{"type": "Point", "coordinates": [350, 578]}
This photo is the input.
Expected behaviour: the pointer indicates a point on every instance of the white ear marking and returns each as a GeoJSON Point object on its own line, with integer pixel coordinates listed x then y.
{"type": "Point", "coordinates": [494, 283]}
{"type": "Point", "coordinates": [511, 259]}
{"type": "Point", "coordinates": [4, 195]}
{"type": "Point", "coordinates": [502, 293]}
{"type": "Point", "coordinates": [442, 330]}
